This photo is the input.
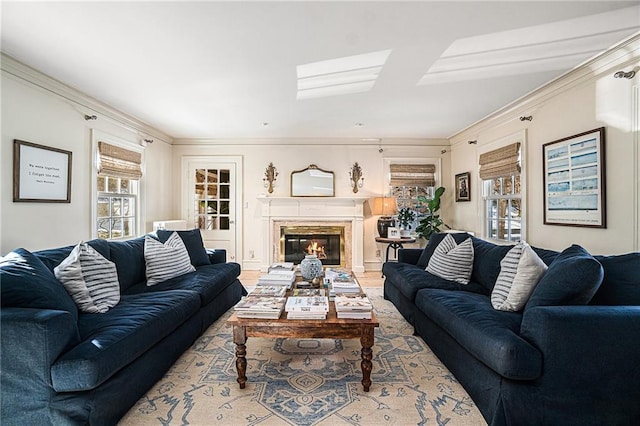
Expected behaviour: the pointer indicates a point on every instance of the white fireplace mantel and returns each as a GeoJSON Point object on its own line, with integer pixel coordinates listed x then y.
{"type": "Point", "coordinates": [313, 209]}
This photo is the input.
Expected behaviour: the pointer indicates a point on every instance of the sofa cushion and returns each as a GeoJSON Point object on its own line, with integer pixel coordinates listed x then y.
{"type": "Point", "coordinates": [452, 261]}
{"type": "Point", "coordinates": [433, 242]}
{"type": "Point", "coordinates": [621, 283]}
{"type": "Point", "coordinates": [520, 271]}
{"type": "Point", "coordinates": [486, 262]}
{"type": "Point", "coordinates": [129, 259]}
{"type": "Point", "coordinates": [192, 240]}
{"type": "Point", "coordinates": [25, 282]}
{"type": "Point", "coordinates": [90, 279]}
{"type": "Point", "coordinates": [53, 257]}
{"type": "Point", "coordinates": [408, 279]}
{"type": "Point", "coordinates": [208, 281]}
{"type": "Point", "coordinates": [112, 340]}
{"type": "Point", "coordinates": [572, 279]}
{"type": "Point", "coordinates": [490, 335]}
{"type": "Point", "coordinates": [166, 260]}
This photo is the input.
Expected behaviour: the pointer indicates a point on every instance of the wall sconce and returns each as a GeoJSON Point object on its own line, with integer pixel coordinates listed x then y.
{"type": "Point", "coordinates": [472, 142]}
{"type": "Point", "coordinates": [357, 179]}
{"type": "Point", "coordinates": [90, 117]}
{"type": "Point", "coordinates": [621, 74]}
{"type": "Point", "coordinates": [270, 175]}
{"type": "Point", "coordinates": [527, 118]}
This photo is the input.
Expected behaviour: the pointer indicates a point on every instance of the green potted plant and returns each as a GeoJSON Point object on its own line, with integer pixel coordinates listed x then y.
{"type": "Point", "coordinates": [431, 222]}
{"type": "Point", "coordinates": [406, 217]}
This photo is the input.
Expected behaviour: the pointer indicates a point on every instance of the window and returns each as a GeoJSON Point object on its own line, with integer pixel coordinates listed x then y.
{"type": "Point", "coordinates": [408, 181]}
{"type": "Point", "coordinates": [503, 208]}
{"type": "Point", "coordinates": [117, 207]}
{"type": "Point", "coordinates": [502, 194]}
{"type": "Point", "coordinates": [117, 190]}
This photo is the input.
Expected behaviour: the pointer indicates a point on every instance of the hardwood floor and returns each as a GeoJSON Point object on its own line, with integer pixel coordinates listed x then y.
{"type": "Point", "coordinates": [370, 279]}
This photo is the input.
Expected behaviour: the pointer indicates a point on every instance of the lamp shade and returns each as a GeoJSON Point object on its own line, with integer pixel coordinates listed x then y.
{"type": "Point", "coordinates": [384, 206]}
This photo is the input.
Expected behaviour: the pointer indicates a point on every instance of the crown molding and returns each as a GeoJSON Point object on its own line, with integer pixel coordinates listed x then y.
{"type": "Point", "coordinates": [376, 142]}
{"type": "Point", "coordinates": [620, 55]}
{"type": "Point", "coordinates": [89, 105]}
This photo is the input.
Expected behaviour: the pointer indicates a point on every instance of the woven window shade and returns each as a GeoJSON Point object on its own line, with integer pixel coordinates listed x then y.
{"type": "Point", "coordinates": [412, 175]}
{"type": "Point", "coordinates": [501, 162]}
{"type": "Point", "coordinates": [119, 162]}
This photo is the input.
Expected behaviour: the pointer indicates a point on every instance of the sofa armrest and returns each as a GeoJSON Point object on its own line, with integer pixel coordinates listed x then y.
{"type": "Point", "coordinates": [590, 354]}
{"type": "Point", "coordinates": [409, 255]}
{"type": "Point", "coordinates": [217, 255]}
{"type": "Point", "coordinates": [31, 341]}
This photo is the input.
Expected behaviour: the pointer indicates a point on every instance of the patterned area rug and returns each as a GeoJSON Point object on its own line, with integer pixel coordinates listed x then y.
{"type": "Point", "coordinates": [309, 382]}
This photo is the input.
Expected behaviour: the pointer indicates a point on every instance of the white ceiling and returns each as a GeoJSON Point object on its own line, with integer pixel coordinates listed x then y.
{"type": "Point", "coordinates": [224, 69]}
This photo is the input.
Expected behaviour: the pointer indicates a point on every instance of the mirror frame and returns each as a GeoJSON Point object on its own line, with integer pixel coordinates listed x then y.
{"type": "Point", "coordinates": [309, 192]}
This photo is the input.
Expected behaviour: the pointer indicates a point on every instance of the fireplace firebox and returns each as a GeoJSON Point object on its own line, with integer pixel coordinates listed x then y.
{"type": "Point", "coordinates": [327, 242]}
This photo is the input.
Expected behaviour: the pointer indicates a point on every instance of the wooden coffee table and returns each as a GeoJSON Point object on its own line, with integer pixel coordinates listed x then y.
{"type": "Point", "coordinates": [330, 328]}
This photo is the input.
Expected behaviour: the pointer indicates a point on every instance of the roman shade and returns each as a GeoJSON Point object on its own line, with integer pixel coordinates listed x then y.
{"type": "Point", "coordinates": [115, 161]}
{"type": "Point", "coordinates": [412, 175]}
{"type": "Point", "coordinates": [500, 162]}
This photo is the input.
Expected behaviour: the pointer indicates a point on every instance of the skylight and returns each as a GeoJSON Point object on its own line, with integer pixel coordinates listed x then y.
{"type": "Point", "coordinates": [350, 74]}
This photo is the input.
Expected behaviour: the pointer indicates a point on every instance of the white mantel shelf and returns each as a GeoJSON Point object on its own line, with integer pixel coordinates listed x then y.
{"type": "Point", "coordinates": [316, 209]}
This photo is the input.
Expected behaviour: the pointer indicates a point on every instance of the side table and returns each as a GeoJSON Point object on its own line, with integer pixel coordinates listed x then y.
{"type": "Point", "coordinates": [395, 244]}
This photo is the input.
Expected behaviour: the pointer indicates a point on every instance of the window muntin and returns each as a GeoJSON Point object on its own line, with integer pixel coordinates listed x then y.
{"type": "Point", "coordinates": [117, 208]}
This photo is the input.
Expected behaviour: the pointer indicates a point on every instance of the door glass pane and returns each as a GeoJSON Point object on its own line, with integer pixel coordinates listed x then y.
{"type": "Point", "coordinates": [224, 222]}
{"type": "Point", "coordinates": [212, 176]}
{"type": "Point", "coordinates": [199, 192]}
{"type": "Point", "coordinates": [200, 176]}
{"type": "Point", "coordinates": [212, 223]}
{"type": "Point", "coordinates": [212, 191]}
{"type": "Point", "coordinates": [224, 191]}
{"type": "Point", "coordinates": [212, 207]}
{"type": "Point", "coordinates": [201, 222]}
{"type": "Point", "coordinates": [225, 176]}
{"type": "Point", "coordinates": [201, 207]}
{"type": "Point", "coordinates": [224, 207]}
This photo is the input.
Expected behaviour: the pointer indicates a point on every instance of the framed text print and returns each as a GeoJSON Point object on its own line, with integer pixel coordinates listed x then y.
{"type": "Point", "coordinates": [41, 174]}
{"type": "Point", "coordinates": [574, 180]}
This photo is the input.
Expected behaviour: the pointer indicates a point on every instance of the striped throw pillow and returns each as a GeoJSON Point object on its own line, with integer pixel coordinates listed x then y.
{"type": "Point", "coordinates": [520, 270]}
{"type": "Point", "coordinates": [166, 261]}
{"type": "Point", "coordinates": [90, 279]}
{"type": "Point", "coordinates": [452, 261]}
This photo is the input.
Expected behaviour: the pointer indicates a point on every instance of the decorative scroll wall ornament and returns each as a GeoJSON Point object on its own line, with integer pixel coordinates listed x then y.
{"type": "Point", "coordinates": [357, 179]}
{"type": "Point", "coordinates": [270, 175]}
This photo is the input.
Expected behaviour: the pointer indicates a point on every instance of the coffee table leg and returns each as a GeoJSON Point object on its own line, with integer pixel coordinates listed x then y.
{"type": "Point", "coordinates": [367, 343]}
{"type": "Point", "coordinates": [240, 338]}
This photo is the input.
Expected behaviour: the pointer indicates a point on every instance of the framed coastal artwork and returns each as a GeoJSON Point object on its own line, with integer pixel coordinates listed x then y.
{"type": "Point", "coordinates": [41, 174]}
{"type": "Point", "coordinates": [574, 180]}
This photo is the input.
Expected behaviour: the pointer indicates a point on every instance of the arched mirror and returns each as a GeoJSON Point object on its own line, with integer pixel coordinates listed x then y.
{"type": "Point", "coordinates": [312, 182]}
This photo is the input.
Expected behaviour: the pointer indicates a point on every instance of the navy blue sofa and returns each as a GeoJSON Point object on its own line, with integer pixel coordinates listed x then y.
{"type": "Point", "coordinates": [61, 366]}
{"type": "Point", "coordinates": [570, 357]}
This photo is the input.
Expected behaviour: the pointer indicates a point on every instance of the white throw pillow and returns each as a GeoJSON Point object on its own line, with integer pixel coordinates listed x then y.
{"type": "Point", "coordinates": [520, 271]}
{"type": "Point", "coordinates": [90, 279]}
{"type": "Point", "coordinates": [452, 261]}
{"type": "Point", "coordinates": [166, 261]}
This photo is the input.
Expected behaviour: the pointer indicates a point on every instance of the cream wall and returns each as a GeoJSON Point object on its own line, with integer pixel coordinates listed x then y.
{"type": "Point", "coordinates": [36, 115]}
{"type": "Point", "coordinates": [289, 155]}
{"type": "Point", "coordinates": [583, 100]}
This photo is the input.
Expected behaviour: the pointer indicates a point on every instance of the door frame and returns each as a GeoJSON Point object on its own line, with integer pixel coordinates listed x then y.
{"type": "Point", "coordinates": [239, 193]}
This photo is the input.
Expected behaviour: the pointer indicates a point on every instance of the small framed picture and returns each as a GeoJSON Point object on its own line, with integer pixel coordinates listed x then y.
{"type": "Point", "coordinates": [463, 187]}
{"type": "Point", "coordinates": [393, 233]}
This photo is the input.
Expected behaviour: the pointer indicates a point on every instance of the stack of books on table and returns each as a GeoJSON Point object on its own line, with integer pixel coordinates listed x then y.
{"type": "Point", "coordinates": [348, 286]}
{"type": "Point", "coordinates": [353, 307]}
{"type": "Point", "coordinates": [277, 278]}
{"type": "Point", "coordinates": [281, 266]}
{"type": "Point", "coordinates": [307, 307]}
{"type": "Point", "coordinates": [308, 292]}
{"type": "Point", "coordinates": [260, 307]}
{"type": "Point", "coordinates": [269, 291]}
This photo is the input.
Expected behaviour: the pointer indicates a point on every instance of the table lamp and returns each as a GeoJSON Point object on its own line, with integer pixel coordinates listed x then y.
{"type": "Point", "coordinates": [386, 207]}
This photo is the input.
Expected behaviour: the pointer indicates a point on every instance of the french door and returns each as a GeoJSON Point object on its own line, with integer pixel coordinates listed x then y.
{"type": "Point", "coordinates": [212, 201]}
